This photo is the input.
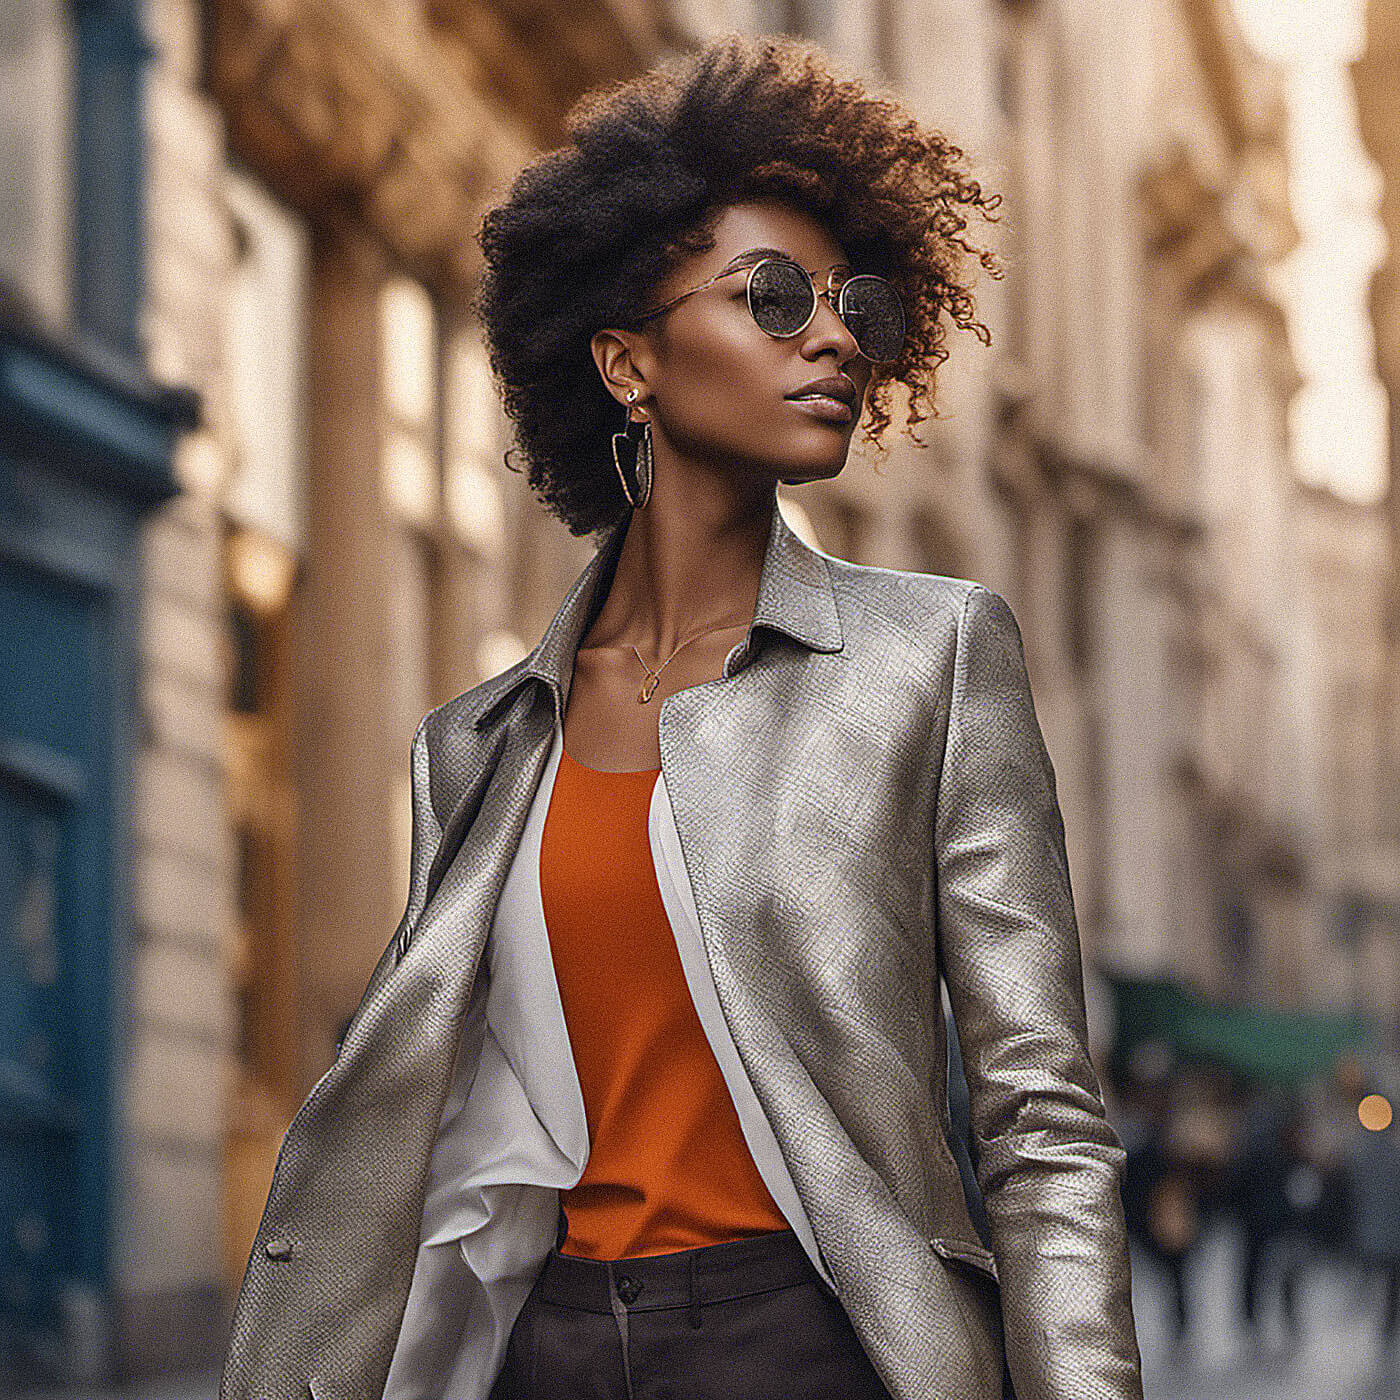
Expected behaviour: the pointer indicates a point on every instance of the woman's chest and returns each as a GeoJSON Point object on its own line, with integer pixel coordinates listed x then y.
{"type": "Point", "coordinates": [803, 791]}
{"type": "Point", "coordinates": [615, 698]}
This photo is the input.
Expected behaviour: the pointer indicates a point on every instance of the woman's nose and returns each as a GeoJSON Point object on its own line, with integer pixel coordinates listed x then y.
{"type": "Point", "coordinates": [828, 330]}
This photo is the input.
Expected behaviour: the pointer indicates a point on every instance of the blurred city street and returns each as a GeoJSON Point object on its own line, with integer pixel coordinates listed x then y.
{"type": "Point", "coordinates": [1338, 1355]}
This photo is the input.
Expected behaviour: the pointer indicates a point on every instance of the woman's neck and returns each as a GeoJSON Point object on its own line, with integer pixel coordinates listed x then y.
{"type": "Point", "coordinates": [690, 562]}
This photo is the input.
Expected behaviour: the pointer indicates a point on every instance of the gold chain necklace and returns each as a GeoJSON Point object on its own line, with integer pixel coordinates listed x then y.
{"type": "Point", "coordinates": [649, 685]}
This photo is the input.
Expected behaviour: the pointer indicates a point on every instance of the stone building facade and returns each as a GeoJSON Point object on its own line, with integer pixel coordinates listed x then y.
{"type": "Point", "coordinates": [1376, 76]}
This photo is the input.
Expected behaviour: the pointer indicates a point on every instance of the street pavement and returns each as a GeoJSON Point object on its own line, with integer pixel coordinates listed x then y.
{"type": "Point", "coordinates": [1339, 1355]}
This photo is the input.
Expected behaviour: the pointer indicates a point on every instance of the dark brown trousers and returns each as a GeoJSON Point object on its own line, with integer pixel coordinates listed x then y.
{"type": "Point", "coordinates": [745, 1320]}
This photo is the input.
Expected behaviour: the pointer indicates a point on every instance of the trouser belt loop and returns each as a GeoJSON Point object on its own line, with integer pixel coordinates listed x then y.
{"type": "Point", "coordinates": [694, 1311]}
{"type": "Point", "coordinates": [619, 1312]}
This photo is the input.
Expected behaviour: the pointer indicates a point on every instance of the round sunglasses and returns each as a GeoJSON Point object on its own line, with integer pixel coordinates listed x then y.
{"type": "Point", "coordinates": [782, 300]}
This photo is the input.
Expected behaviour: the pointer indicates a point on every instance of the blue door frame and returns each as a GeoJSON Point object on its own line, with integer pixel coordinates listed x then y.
{"type": "Point", "coordinates": [86, 446]}
{"type": "Point", "coordinates": [84, 454]}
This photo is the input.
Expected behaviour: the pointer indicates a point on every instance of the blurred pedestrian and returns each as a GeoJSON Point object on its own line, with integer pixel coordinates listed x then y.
{"type": "Point", "coordinates": [1373, 1191]}
{"type": "Point", "coordinates": [1159, 1198]}
{"type": "Point", "coordinates": [1258, 1195]}
{"type": "Point", "coordinates": [1316, 1188]}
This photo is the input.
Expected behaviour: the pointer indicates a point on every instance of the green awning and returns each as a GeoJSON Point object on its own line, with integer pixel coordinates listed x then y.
{"type": "Point", "coordinates": [1256, 1041]}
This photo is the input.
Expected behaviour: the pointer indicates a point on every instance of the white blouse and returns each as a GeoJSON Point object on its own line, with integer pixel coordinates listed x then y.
{"type": "Point", "coordinates": [513, 1135]}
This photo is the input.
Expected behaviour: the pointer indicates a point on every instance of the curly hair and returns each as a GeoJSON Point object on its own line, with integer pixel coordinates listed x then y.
{"type": "Point", "coordinates": [588, 231]}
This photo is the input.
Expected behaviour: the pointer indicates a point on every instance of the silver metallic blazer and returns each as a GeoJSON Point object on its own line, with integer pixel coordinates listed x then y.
{"type": "Point", "coordinates": [864, 802]}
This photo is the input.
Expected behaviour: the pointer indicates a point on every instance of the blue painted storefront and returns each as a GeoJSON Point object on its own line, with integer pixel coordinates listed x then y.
{"type": "Point", "coordinates": [86, 446]}
{"type": "Point", "coordinates": [82, 457]}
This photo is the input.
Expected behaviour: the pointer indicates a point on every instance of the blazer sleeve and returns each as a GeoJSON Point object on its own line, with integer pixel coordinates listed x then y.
{"type": "Point", "coordinates": [1049, 1163]}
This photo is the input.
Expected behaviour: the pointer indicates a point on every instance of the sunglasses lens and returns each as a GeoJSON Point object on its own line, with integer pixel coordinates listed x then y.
{"type": "Point", "coordinates": [780, 297]}
{"type": "Point", "coordinates": [874, 315]}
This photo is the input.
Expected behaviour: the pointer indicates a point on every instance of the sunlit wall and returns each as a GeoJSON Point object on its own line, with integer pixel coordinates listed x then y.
{"type": "Point", "coordinates": [1339, 425]}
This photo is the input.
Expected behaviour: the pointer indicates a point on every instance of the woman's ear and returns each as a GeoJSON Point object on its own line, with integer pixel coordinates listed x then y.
{"type": "Point", "coordinates": [623, 359]}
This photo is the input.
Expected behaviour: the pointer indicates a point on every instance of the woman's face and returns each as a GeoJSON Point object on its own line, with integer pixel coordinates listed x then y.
{"type": "Point", "coordinates": [718, 390]}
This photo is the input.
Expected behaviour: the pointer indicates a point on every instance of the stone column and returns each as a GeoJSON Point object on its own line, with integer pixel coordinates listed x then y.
{"type": "Point", "coordinates": [345, 765]}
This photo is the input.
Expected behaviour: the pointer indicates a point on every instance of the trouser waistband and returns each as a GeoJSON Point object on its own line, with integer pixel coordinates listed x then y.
{"type": "Point", "coordinates": [685, 1278]}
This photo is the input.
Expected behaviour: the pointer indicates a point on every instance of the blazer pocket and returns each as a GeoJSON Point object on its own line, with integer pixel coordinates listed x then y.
{"type": "Point", "coordinates": [964, 1253]}
{"type": "Point", "coordinates": [974, 1267]}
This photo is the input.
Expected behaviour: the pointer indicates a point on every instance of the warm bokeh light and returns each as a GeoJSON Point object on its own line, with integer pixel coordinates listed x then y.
{"type": "Point", "coordinates": [261, 570]}
{"type": "Point", "coordinates": [1375, 1113]}
{"type": "Point", "coordinates": [798, 519]}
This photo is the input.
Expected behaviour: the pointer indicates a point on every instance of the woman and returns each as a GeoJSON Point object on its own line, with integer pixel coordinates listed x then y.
{"type": "Point", "coordinates": [647, 1095]}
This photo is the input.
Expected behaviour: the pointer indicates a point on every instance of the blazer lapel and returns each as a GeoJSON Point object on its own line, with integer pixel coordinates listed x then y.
{"type": "Point", "coordinates": [487, 754]}
{"type": "Point", "coordinates": [727, 749]}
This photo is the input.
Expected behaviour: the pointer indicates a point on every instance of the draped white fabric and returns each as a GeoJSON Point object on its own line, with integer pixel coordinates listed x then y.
{"type": "Point", "coordinates": [513, 1131]}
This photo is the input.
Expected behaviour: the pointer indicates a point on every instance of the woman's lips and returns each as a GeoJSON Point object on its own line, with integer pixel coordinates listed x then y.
{"type": "Point", "coordinates": [824, 406]}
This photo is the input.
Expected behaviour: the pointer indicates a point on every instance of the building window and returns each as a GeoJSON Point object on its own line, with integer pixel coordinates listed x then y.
{"type": "Point", "coordinates": [807, 19]}
{"type": "Point", "coordinates": [409, 362]}
{"type": "Point", "coordinates": [888, 49]}
{"type": "Point", "coordinates": [1237, 940]}
{"type": "Point", "coordinates": [937, 547]}
{"type": "Point", "coordinates": [843, 527]}
{"type": "Point", "coordinates": [261, 793]}
{"type": "Point", "coordinates": [1007, 81]}
{"type": "Point", "coordinates": [472, 441]}
{"type": "Point", "coordinates": [265, 360]}
{"type": "Point", "coordinates": [1080, 563]}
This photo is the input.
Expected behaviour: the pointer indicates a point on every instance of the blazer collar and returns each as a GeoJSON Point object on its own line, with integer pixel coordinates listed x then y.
{"type": "Point", "coordinates": [795, 597]}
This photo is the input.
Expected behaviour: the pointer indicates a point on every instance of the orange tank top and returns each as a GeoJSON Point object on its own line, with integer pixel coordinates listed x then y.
{"type": "Point", "coordinates": [668, 1167]}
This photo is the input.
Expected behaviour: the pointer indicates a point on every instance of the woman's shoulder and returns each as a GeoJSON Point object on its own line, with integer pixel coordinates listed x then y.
{"type": "Point", "coordinates": [927, 608]}
{"type": "Point", "coordinates": [458, 717]}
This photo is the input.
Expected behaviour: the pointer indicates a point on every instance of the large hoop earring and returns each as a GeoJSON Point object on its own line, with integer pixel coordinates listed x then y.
{"type": "Point", "coordinates": [639, 449]}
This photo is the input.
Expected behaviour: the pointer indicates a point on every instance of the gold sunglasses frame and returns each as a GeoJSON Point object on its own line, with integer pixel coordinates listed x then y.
{"type": "Point", "coordinates": [832, 295]}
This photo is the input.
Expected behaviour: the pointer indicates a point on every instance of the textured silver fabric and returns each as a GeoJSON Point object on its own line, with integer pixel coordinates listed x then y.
{"type": "Point", "coordinates": [864, 801]}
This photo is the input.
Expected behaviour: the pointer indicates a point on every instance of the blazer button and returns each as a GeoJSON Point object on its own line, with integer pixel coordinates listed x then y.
{"type": "Point", "coordinates": [278, 1247]}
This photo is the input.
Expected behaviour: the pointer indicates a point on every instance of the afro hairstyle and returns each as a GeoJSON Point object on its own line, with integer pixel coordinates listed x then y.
{"type": "Point", "coordinates": [588, 231]}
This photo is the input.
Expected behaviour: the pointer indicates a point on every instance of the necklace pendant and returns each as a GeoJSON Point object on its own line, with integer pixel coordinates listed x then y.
{"type": "Point", "coordinates": [647, 690]}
